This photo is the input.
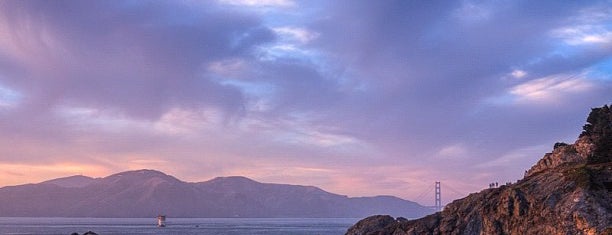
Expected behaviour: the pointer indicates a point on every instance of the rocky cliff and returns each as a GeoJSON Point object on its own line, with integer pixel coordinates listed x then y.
{"type": "Point", "coordinates": [569, 191]}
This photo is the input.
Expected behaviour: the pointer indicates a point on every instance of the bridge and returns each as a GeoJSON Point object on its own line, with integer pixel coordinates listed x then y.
{"type": "Point", "coordinates": [437, 190]}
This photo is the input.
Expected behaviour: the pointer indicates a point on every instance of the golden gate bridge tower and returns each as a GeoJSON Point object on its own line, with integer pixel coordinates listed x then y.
{"type": "Point", "coordinates": [438, 205]}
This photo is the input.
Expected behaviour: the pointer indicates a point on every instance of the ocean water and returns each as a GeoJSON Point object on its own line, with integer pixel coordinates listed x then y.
{"type": "Point", "coordinates": [212, 226]}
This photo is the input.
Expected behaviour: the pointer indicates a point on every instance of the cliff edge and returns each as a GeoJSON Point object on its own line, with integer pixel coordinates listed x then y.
{"type": "Point", "coordinates": [569, 191]}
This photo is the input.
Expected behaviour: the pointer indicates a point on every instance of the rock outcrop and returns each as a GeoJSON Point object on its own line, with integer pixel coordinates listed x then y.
{"type": "Point", "coordinates": [372, 224]}
{"type": "Point", "coordinates": [569, 191]}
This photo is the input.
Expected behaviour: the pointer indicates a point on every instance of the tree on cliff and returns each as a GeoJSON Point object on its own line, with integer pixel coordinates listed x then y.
{"type": "Point", "coordinates": [599, 131]}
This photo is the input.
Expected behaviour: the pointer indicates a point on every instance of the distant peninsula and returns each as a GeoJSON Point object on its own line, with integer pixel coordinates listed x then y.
{"type": "Point", "coordinates": [147, 193]}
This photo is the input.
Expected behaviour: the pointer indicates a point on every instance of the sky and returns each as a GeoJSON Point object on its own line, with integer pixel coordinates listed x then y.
{"type": "Point", "coordinates": [359, 98]}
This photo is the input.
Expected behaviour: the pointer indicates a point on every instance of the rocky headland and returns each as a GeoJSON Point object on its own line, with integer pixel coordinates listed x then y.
{"type": "Point", "coordinates": [569, 191]}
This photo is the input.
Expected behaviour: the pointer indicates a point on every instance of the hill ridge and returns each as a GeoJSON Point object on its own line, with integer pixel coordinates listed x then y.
{"type": "Point", "coordinates": [146, 193]}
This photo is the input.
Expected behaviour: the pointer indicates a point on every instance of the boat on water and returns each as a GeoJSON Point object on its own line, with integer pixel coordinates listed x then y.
{"type": "Point", "coordinates": [161, 221]}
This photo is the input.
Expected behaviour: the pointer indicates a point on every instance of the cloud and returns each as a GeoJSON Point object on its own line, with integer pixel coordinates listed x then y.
{"type": "Point", "coordinates": [517, 73]}
{"type": "Point", "coordinates": [36, 173]}
{"type": "Point", "coordinates": [201, 89]}
{"type": "Point", "coordinates": [552, 88]}
{"type": "Point", "coordinates": [185, 122]}
{"type": "Point", "coordinates": [9, 97]}
{"type": "Point", "coordinates": [453, 151]}
{"type": "Point", "coordinates": [527, 156]}
{"type": "Point", "coordinates": [132, 63]}
{"type": "Point", "coordinates": [591, 25]}
{"type": "Point", "coordinates": [585, 34]}
{"type": "Point", "coordinates": [228, 68]}
{"type": "Point", "coordinates": [298, 34]}
{"type": "Point", "coordinates": [260, 3]}
{"type": "Point", "coordinates": [472, 12]}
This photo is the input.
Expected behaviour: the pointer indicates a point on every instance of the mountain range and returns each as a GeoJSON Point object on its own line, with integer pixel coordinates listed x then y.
{"type": "Point", "coordinates": [147, 193]}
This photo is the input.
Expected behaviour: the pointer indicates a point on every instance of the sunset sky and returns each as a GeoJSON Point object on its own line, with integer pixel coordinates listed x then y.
{"type": "Point", "coordinates": [359, 98]}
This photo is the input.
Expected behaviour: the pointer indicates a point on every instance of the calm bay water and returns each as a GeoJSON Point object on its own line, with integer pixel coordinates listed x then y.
{"type": "Point", "coordinates": [213, 226]}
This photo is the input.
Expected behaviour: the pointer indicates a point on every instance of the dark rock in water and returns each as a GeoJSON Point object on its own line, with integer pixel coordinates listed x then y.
{"type": "Point", "coordinates": [569, 191]}
{"type": "Point", "coordinates": [371, 225]}
{"type": "Point", "coordinates": [90, 233]}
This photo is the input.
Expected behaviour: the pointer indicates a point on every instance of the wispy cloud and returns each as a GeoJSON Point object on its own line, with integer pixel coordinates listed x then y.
{"type": "Point", "coordinates": [592, 25]}
{"type": "Point", "coordinates": [473, 12]}
{"type": "Point", "coordinates": [455, 151]}
{"type": "Point", "coordinates": [298, 34]}
{"type": "Point", "coordinates": [585, 34]}
{"type": "Point", "coordinates": [260, 3]}
{"type": "Point", "coordinates": [527, 156]}
{"type": "Point", "coordinates": [35, 173]}
{"type": "Point", "coordinates": [9, 97]}
{"type": "Point", "coordinates": [517, 73]}
{"type": "Point", "coordinates": [551, 88]}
